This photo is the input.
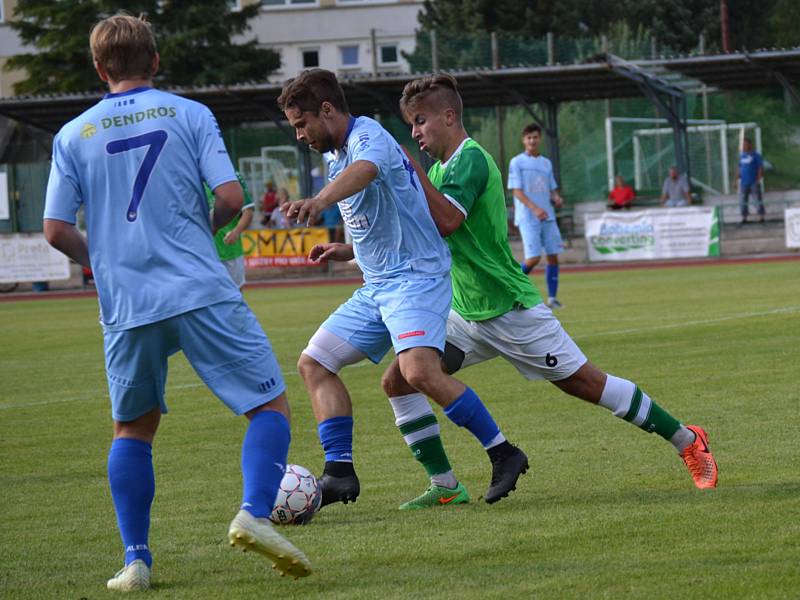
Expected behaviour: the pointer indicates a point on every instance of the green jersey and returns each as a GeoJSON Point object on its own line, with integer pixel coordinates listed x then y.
{"type": "Point", "coordinates": [235, 250]}
{"type": "Point", "coordinates": [487, 281]}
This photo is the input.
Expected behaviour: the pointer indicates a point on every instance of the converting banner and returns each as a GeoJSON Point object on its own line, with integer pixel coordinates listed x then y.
{"type": "Point", "coordinates": [266, 248]}
{"type": "Point", "coordinates": [792, 219]}
{"type": "Point", "coordinates": [653, 234]}
{"type": "Point", "coordinates": [28, 257]}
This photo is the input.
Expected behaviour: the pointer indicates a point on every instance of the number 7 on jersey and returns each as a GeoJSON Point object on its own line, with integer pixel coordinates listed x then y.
{"type": "Point", "coordinates": [155, 141]}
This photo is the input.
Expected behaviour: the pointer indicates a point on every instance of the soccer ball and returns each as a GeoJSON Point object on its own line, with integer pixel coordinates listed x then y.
{"type": "Point", "coordinates": [298, 497]}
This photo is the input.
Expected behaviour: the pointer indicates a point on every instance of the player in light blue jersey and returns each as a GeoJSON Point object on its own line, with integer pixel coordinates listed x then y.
{"type": "Point", "coordinates": [136, 162]}
{"type": "Point", "coordinates": [536, 199]}
{"type": "Point", "coordinates": [406, 295]}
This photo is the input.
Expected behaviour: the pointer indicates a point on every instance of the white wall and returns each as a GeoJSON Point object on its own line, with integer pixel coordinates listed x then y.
{"type": "Point", "coordinates": [291, 30]}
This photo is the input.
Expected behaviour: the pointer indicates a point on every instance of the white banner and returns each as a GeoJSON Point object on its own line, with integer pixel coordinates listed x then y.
{"type": "Point", "coordinates": [792, 219]}
{"type": "Point", "coordinates": [5, 210]}
{"type": "Point", "coordinates": [28, 257]}
{"type": "Point", "coordinates": [653, 234]}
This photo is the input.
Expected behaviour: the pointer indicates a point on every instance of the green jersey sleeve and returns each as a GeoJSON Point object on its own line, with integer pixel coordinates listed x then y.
{"type": "Point", "coordinates": [465, 178]}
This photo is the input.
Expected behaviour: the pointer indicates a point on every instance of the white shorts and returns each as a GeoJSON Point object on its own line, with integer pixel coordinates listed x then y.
{"type": "Point", "coordinates": [532, 340]}
{"type": "Point", "coordinates": [235, 268]}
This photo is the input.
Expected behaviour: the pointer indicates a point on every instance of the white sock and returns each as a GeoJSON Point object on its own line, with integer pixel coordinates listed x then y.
{"type": "Point", "coordinates": [682, 439]}
{"type": "Point", "coordinates": [617, 395]}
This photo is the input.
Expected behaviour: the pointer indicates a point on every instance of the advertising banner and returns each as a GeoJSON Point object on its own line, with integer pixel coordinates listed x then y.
{"type": "Point", "coordinates": [267, 248]}
{"type": "Point", "coordinates": [653, 234]}
{"type": "Point", "coordinates": [28, 257]}
{"type": "Point", "coordinates": [792, 219]}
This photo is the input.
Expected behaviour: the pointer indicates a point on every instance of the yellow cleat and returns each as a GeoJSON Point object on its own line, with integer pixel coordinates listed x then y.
{"type": "Point", "coordinates": [259, 535]}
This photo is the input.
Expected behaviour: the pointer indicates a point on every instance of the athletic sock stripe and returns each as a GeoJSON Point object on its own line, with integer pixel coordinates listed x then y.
{"type": "Point", "coordinates": [418, 424]}
{"type": "Point", "coordinates": [643, 412]}
{"type": "Point", "coordinates": [421, 435]}
{"type": "Point", "coordinates": [635, 402]}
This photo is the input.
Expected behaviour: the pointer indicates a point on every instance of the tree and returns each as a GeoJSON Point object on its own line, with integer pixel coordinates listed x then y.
{"type": "Point", "coordinates": [194, 40]}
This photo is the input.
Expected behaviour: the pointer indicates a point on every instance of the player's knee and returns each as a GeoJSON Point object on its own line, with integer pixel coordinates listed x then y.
{"type": "Point", "coordinates": [418, 374]}
{"type": "Point", "coordinates": [308, 367]}
{"type": "Point", "coordinates": [393, 383]}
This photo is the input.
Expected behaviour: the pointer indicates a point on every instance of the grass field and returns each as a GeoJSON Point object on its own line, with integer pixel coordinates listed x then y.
{"type": "Point", "coordinates": [606, 512]}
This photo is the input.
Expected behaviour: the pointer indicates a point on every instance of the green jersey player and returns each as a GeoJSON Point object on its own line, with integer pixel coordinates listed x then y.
{"type": "Point", "coordinates": [497, 311]}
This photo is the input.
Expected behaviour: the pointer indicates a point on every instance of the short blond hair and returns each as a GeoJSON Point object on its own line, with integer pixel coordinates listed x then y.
{"type": "Point", "coordinates": [124, 46]}
{"type": "Point", "coordinates": [439, 91]}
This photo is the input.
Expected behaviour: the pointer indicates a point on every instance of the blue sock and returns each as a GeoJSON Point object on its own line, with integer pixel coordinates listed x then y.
{"type": "Point", "coordinates": [551, 274]}
{"type": "Point", "coordinates": [336, 437]}
{"type": "Point", "coordinates": [468, 411]}
{"type": "Point", "coordinates": [264, 452]}
{"type": "Point", "coordinates": [133, 486]}
{"type": "Point", "coordinates": [525, 268]}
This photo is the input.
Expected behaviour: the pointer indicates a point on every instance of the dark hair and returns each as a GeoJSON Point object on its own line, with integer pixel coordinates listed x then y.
{"type": "Point", "coordinates": [531, 128]}
{"type": "Point", "coordinates": [441, 89]}
{"type": "Point", "coordinates": [310, 89]}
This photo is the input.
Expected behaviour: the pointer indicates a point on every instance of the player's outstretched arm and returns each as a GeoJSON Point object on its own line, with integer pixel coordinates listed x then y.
{"type": "Point", "coordinates": [229, 200]}
{"type": "Point", "coordinates": [349, 182]}
{"type": "Point", "coordinates": [333, 251]}
{"type": "Point", "coordinates": [446, 216]}
{"type": "Point", "coordinates": [66, 238]}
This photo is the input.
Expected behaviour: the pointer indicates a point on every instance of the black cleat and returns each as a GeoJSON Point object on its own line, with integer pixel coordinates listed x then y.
{"type": "Point", "coordinates": [339, 483]}
{"type": "Point", "coordinates": [508, 463]}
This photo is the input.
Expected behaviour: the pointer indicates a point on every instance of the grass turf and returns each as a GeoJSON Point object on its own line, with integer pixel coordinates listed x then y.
{"type": "Point", "coordinates": [606, 512]}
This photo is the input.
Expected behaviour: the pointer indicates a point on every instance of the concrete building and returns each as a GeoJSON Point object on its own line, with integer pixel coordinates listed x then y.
{"type": "Point", "coordinates": [344, 36]}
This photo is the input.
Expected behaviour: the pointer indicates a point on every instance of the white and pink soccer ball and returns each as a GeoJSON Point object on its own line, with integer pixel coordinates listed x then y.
{"type": "Point", "coordinates": [298, 497]}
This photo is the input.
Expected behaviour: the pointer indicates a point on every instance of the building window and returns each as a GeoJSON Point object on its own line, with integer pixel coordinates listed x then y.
{"type": "Point", "coordinates": [279, 3]}
{"type": "Point", "coordinates": [234, 5]}
{"type": "Point", "coordinates": [310, 58]}
{"type": "Point", "coordinates": [388, 55]}
{"type": "Point", "coordinates": [349, 56]}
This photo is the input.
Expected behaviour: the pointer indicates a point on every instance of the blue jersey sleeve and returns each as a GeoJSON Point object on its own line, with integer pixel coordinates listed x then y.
{"type": "Point", "coordinates": [213, 160]}
{"type": "Point", "coordinates": [63, 198]}
{"type": "Point", "coordinates": [366, 143]}
{"type": "Point", "coordinates": [553, 182]}
{"type": "Point", "coordinates": [514, 175]}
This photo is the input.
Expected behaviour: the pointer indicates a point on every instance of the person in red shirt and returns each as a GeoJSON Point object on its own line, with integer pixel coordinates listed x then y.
{"type": "Point", "coordinates": [268, 202]}
{"type": "Point", "coordinates": [621, 196]}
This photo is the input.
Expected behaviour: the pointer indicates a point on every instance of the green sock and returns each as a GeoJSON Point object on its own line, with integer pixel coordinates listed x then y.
{"type": "Point", "coordinates": [422, 437]}
{"type": "Point", "coordinates": [650, 416]}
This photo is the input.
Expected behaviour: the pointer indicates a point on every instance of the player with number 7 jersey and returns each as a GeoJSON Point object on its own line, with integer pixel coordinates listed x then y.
{"type": "Point", "coordinates": [137, 162]}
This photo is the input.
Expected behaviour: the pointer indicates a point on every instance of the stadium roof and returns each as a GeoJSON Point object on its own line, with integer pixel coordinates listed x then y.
{"type": "Point", "coordinates": [603, 78]}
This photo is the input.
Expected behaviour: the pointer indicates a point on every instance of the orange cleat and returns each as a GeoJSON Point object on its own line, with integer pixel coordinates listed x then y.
{"type": "Point", "coordinates": [699, 460]}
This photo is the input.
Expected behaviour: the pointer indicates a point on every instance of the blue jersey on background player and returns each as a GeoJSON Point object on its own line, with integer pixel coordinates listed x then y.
{"type": "Point", "coordinates": [536, 198]}
{"type": "Point", "coordinates": [136, 162]}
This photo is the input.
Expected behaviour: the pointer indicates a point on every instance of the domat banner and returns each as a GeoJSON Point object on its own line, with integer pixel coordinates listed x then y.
{"type": "Point", "coordinates": [653, 234]}
{"type": "Point", "coordinates": [267, 248]}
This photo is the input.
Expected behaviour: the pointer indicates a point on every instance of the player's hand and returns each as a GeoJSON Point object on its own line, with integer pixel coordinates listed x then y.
{"type": "Point", "coordinates": [540, 214]}
{"type": "Point", "coordinates": [335, 251]}
{"type": "Point", "coordinates": [558, 202]}
{"type": "Point", "coordinates": [230, 238]}
{"type": "Point", "coordinates": [303, 211]}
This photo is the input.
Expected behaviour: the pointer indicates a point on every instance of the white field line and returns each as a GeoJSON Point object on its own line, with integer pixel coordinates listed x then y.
{"type": "Point", "coordinates": [365, 363]}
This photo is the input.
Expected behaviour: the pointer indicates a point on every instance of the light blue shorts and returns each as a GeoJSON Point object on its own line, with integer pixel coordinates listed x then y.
{"type": "Point", "coordinates": [537, 235]}
{"type": "Point", "coordinates": [223, 342]}
{"type": "Point", "coordinates": [402, 315]}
